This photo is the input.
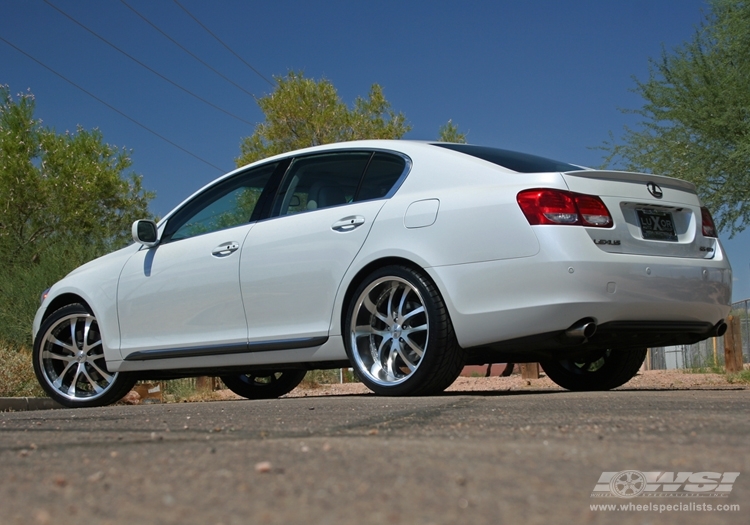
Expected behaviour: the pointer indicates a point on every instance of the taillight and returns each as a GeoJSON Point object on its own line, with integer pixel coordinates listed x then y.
{"type": "Point", "coordinates": [708, 226]}
{"type": "Point", "coordinates": [549, 206]}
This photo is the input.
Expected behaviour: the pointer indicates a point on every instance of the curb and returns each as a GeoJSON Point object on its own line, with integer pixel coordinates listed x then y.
{"type": "Point", "coordinates": [21, 404]}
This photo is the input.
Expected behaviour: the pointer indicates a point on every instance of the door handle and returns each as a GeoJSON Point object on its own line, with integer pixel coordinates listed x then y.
{"type": "Point", "coordinates": [225, 249]}
{"type": "Point", "coordinates": [348, 224]}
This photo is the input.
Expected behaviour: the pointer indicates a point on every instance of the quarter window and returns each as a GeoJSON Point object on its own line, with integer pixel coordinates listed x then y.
{"type": "Point", "coordinates": [383, 172]}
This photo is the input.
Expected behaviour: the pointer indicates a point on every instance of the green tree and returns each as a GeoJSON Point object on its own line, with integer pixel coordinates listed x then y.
{"type": "Point", "coordinates": [448, 132]}
{"type": "Point", "coordinates": [696, 116]}
{"type": "Point", "coordinates": [57, 186]}
{"type": "Point", "coordinates": [64, 200]}
{"type": "Point", "coordinates": [303, 112]}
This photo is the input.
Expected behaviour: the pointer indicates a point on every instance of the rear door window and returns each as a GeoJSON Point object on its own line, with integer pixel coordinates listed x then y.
{"type": "Point", "coordinates": [321, 181]}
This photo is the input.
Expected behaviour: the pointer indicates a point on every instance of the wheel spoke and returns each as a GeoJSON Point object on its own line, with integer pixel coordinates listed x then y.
{"type": "Point", "coordinates": [105, 375]}
{"type": "Point", "coordinates": [414, 346]}
{"type": "Point", "coordinates": [72, 387]}
{"type": "Point", "coordinates": [93, 383]}
{"type": "Point", "coordinates": [390, 367]}
{"type": "Point", "coordinates": [370, 307]}
{"type": "Point", "coordinates": [73, 342]}
{"type": "Point", "coordinates": [50, 355]}
{"type": "Point", "coordinates": [365, 330]}
{"type": "Point", "coordinates": [55, 341]}
{"type": "Point", "coordinates": [412, 314]}
{"type": "Point", "coordinates": [400, 313]}
{"type": "Point", "coordinates": [394, 288]}
{"type": "Point", "coordinates": [412, 366]}
{"type": "Point", "coordinates": [59, 381]}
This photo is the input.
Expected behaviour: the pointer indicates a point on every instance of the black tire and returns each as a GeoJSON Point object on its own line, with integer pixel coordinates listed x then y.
{"type": "Point", "coordinates": [69, 361]}
{"type": "Point", "coordinates": [398, 307]}
{"type": "Point", "coordinates": [265, 384]}
{"type": "Point", "coordinates": [601, 370]}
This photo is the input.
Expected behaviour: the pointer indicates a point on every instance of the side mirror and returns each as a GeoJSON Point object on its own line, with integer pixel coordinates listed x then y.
{"type": "Point", "coordinates": [145, 233]}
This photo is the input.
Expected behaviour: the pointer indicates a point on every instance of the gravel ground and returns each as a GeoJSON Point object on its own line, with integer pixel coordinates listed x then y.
{"type": "Point", "coordinates": [647, 380]}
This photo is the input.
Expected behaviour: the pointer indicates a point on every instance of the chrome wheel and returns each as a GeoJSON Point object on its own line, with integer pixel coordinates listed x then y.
{"type": "Point", "coordinates": [69, 361]}
{"type": "Point", "coordinates": [389, 330]}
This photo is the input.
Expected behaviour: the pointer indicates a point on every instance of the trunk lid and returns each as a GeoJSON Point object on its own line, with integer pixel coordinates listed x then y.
{"type": "Point", "coordinates": [652, 214]}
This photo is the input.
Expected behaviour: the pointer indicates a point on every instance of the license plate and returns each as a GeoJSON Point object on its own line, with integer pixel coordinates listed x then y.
{"type": "Point", "coordinates": [657, 225]}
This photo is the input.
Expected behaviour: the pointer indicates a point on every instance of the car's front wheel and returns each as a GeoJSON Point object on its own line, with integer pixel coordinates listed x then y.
{"type": "Point", "coordinates": [400, 338]}
{"type": "Point", "coordinates": [600, 370]}
{"type": "Point", "coordinates": [69, 361]}
{"type": "Point", "coordinates": [264, 384]}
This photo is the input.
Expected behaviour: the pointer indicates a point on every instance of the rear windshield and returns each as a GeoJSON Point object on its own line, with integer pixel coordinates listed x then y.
{"type": "Point", "coordinates": [520, 162]}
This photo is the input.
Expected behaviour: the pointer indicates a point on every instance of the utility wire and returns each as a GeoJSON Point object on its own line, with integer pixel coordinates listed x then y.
{"type": "Point", "coordinates": [184, 49]}
{"type": "Point", "coordinates": [146, 67]}
{"type": "Point", "coordinates": [131, 119]}
{"type": "Point", "coordinates": [222, 43]}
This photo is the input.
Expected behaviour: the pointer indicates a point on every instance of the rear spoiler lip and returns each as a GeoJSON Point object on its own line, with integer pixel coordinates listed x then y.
{"type": "Point", "coordinates": [627, 176]}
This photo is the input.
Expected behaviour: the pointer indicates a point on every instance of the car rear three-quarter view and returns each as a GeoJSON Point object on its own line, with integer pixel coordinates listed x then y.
{"type": "Point", "coordinates": [404, 260]}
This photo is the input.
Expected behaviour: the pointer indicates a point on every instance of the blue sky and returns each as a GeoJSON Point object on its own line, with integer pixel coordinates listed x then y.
{"type": "Point", "coordinates": [540, 76]}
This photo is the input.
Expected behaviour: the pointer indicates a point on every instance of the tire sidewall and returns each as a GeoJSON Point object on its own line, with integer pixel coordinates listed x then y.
{"type": "Point", "coordinates": [287, 382]}
{"type": "Point", "coordinates": [619, 367]}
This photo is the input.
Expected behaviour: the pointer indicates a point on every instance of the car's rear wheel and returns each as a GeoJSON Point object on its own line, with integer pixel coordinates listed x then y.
{"type": "Point", "coordinates": [265, 384]}
{"type": "Point", "coordinates": [69, 361]}
{"type": "Point", "coordinates": [400, 338]}
{"type": "Point", "coordinates": [600, 370]}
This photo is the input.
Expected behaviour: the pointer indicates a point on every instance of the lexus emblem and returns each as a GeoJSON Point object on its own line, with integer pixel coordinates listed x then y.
{"type": "Point", "coordinates": [655, 190]}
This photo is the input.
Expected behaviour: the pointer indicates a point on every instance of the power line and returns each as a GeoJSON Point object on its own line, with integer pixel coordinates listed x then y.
{"type": "Point", "coordinates": [175, 84]}
{"type": "Point", "coordinates": [185, 49]}
{"type": "Point", "coordinates": [222, 43]}
{"type": "Point", "coordinates": [131, 119]}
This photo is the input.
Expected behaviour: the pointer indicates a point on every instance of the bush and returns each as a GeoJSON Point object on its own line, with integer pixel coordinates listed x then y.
{"type": "Point", "coordinates": [17, 377]}
{"type": "Point", "coordinates": [21, 287]}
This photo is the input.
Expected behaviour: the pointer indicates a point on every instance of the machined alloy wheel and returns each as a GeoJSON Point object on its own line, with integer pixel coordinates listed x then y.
{"type": "Point", "coordinates": [400, 338]}
{"type": "Point", "coordinates": [600, 370]}
{"type": "Point", "coordinates": [69, 361]}
{"type": "Point", "coordinates": [265, 384]}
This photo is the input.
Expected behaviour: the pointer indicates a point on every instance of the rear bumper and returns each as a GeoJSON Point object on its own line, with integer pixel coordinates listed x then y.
{"type": "Point", "coordinates": [635, 300]}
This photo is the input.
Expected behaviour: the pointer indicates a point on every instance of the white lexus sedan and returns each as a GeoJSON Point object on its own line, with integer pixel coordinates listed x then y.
{"type": "Point", "coordinates": [404, 260]}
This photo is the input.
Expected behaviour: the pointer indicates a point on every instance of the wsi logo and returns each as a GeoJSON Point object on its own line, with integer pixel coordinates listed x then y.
{"type": "Point", "coordinates": [634, 483]}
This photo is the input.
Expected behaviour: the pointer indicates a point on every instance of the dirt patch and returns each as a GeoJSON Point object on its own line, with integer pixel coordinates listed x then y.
{"type": "Point", "coordinates": [648, 380]}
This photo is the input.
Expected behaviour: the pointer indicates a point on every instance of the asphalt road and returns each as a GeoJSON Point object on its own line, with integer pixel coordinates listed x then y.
{"type": "Point", "coordinates": [491, 457]}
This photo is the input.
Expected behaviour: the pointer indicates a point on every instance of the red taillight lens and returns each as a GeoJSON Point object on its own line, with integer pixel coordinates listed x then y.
{"type": "Point", "coordinates": [593, 211]}
{"type": "Point", "coordinates": [709, 228]}
{"type": "Point", "coordinates": [548, 206]}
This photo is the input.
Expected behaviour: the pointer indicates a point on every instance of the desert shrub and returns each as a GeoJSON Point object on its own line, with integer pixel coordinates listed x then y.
{"type": "Point", "coordinates": [17, 377]}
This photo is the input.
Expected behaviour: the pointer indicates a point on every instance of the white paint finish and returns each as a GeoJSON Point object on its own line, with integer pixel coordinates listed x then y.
{"type": "Point", "coordinates": [422, 213]}
{"type": "Point", "coordinates": [292, 266]}
{"type": "Point", "coordinates": [499, 300]}
{"type": "Point", "coordinates": [96, 284]}
{"type": "Point", "coordinates": [179, 295]}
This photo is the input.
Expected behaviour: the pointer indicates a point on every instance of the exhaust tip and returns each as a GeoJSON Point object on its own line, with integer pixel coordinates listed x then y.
{"type": "Point", "coordinates": [720, 328]}
{"type": "Point", "coordinates": [583, 329]}
{"type": "Point", "coordinates": [589, 329]}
